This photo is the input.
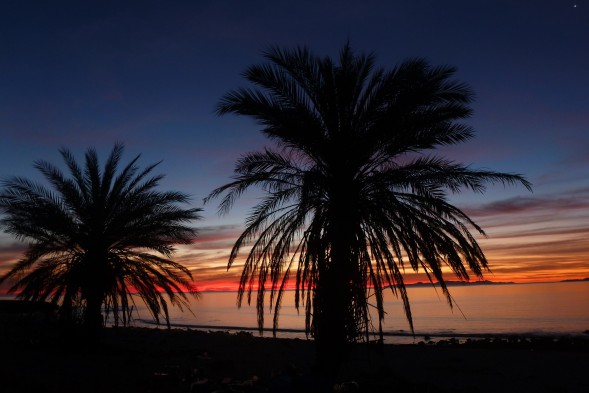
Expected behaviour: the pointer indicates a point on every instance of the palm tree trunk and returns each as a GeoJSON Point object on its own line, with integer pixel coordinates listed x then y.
{"type": "Point", "coordinates": [330, 318]}
{"type": "Point", "coordinates": [93, 320]}
{"type": "Point", "coordinates": [93, 292]}
{"type": "Point", "coordinates": [333, 304]}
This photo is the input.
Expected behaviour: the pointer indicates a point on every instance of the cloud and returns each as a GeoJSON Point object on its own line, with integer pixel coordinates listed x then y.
{"type": "Point", "coordinates": [537, 237]}
{"type": "Point", "coordinates": [575, 200]}
{"type": "Point", "coordinates": [9, 254]}
{"type": "Point", "coordinates": [11, 249]}
{"type": "Point", "coordinates": [217, 233]}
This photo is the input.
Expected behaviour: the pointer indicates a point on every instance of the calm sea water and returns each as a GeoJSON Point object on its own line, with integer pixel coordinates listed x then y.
{"type": "Point", "coordinates": [547, 308]}
{"type": "Point", "coordinates": [532, 309]}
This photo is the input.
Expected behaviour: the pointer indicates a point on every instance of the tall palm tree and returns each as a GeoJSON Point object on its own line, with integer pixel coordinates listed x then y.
{"type": "Point", "coordinates": [98, 236]}
{"type": "Point", "coordinates": [352, 199]}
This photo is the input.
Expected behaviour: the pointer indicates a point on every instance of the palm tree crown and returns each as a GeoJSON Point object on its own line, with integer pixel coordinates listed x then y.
{"type": "Point", "coordinates": [352, 199]}
{"type": "Point", "coordinates": [98, 236]}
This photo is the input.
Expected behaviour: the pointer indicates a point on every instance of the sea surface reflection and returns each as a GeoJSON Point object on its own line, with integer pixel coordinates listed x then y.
{"type": "Point", "coordinates": [546, 308]}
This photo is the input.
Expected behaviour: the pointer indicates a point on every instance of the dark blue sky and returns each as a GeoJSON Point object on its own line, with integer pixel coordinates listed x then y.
{"type": "Point", "coordinates": [150, 73]}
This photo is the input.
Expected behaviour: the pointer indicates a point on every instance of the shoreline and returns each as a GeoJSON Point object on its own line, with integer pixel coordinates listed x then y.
{"type": "Point", "coordinates": [400, 333]}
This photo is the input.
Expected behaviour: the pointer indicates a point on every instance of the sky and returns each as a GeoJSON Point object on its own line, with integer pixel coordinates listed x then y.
{"type": "Point", "coordinates": [150, 74]}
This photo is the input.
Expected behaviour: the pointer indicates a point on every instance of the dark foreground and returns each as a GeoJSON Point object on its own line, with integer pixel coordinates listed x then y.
{"type": "Point", "coordinates": [151, 360]}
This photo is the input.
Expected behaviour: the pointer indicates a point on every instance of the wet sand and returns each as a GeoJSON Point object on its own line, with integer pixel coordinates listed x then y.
{"type": "Point", "coordinates": [153, 360]}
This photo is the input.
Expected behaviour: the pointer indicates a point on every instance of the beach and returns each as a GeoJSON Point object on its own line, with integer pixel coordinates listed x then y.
{"type": "Point", "coordinates": [157, 360]}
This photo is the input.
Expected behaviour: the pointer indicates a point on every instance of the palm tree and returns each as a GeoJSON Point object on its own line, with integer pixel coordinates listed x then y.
{"type": "Point", "coordinates": [98, 236]}
{"type": "Point", "coordinates": [352, 200]}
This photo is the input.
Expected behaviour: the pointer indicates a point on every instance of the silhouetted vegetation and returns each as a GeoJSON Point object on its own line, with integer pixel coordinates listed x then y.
{"type": "Point", "coordinates": [181, 361]}
{"type": "Point", "coordinates": [96, 237]}
{"type": "Point", "coordinates": [354, 194]}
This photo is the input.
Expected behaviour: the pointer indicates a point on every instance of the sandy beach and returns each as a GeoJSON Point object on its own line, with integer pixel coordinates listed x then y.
{"type": "Point", "coordinates": [155, 360]}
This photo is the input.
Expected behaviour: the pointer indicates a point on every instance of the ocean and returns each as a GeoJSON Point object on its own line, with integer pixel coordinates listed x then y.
{"type": "Point", "coordinates": [479, 310]}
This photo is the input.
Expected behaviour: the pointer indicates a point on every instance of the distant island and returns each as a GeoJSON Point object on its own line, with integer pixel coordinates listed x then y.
{"type": "Point", "coordinates": [576, 280]}
{"type": "Point", "coordinates": [461, 283]}
{"type": "Point", "coordinates": [487, 282]}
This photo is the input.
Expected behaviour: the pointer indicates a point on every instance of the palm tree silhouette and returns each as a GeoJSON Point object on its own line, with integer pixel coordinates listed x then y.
{"type": "Point", "coordinates": [98, 236]}
{"type": "Point", "coordinates": [351, 199]}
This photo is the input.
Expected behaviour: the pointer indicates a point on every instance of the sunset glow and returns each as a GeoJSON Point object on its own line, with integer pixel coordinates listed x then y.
{"type": "Point", "coordinates": [528, 240]}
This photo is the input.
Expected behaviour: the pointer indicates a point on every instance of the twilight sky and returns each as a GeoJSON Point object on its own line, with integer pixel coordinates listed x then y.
{"type": "Point", "coordinates": [150, 73]}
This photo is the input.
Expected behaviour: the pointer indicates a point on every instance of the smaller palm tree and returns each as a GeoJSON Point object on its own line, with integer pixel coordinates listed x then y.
{"type": "Point", "coordinates": [97, 237]}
